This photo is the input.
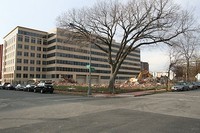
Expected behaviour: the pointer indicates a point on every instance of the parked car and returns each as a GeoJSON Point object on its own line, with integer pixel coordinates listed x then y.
{"type": "Point", "coordinates": [19, 87]}
{"type": "Point", "coordinates": [3, 86]}
{"type": "Point", "coordinates": [180, 86]}
{"type": "Point", "coordinates": [30, 87]}
{"type": "Point", "coordinates": [196, 84]}
{"type": "Point", "coordinates": [9, 87]}
{"type": "Point", "coordinates": [44, 87]}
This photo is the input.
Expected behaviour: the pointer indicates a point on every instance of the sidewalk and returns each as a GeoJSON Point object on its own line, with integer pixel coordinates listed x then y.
{"type": "Point", "coordinates": [131, 94]}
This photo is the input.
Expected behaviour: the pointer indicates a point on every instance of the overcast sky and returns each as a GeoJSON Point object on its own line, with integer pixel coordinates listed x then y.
{"type": "Point", "coordinates": [41, 14]}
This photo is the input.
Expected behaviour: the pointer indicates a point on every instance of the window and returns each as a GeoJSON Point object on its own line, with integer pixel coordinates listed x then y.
{"type": "Point", "coordinates": [33, 40]}
{"type": "Point", "coordinates": [26, 54]}
{"type": "Point", "coordinates": [19, 53]}
{"type": "Point", "coordinates": [32, 69]}
{"type": "Point", "coordinates": [38, 69]}
{"type": "Point", "coordinates": [18, 75]}
{"type": "Point", "coordinates": [32, 62]}
{"type": "Point", "coordinates": [38, 48]}
{"type": "Point", "coordinates": [25, 75]}
{"type": "Point", "coordinates": [20, 38]}
{"type": "Point", "coordinates": [43, 76]}
{"type": "Point", "coordinates": [44, 56]}
{"type": "Point", "coordinates": [31, 75]}
{"type": "Point", "coordinates": [19, 46]}
{"type": "Point", "coordinates": [38, 62]}
{"type": "Point", "coordinates": [52, 75]}
{"type": "Point", "coordinates": [26, 39]}
{"type": "Point", "coordinates": [19, 60]}
{"type": "Point", "coordinates": [32, 54]}
{"type": "Point", "coordinates": [37, 75]}
{"type": "Point", "coordinates": [44, 62]}
{"type": "Point", "coordinates": [32, 47]}
{"type": "Point", "coordinates": [26, 47]}
{"type": "Point", "coordinates": [25, 68]}
{"type": "Point", "coordinates": [45, 42]}
{"type": "Point", "coordinates": [39, 41]}
{"type": "Point", "coordinates": [25, 61]}
{"type": "Point", "coordinates": [38, 55]}
{"type": "Point", "coordinates": [19, 68]}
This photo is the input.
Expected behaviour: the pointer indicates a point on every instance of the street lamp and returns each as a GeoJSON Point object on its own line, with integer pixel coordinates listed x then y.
{"type": "Point", "coordinates": [89, 92]}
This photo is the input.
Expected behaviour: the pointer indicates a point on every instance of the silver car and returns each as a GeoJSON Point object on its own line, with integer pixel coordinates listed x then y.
{"type": "Point", "coordinates": [180, 86]}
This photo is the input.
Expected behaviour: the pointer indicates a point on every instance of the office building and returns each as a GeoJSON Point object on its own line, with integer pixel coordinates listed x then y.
{"type": "Point", "coordinates": [31, 54]}
{"type": "Point", "coordinates": [145, 66]}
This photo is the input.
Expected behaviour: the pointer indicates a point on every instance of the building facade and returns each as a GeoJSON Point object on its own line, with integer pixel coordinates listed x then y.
{"type": "Point", "coordinates": [145, 66]}
{"type": "Point", "coordinates": [1, 55]}
{"type": "Point", "coordinates": [31, 54]}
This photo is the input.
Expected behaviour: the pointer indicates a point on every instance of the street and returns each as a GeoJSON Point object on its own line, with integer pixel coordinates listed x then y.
{"type": "Point", "coordinates": [171, 112]}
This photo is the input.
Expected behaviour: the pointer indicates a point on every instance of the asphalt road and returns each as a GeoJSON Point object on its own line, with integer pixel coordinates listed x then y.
{"type": "Point", "coordinates": [173, 112]}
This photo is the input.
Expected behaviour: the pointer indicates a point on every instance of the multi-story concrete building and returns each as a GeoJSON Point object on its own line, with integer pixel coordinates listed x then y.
{"type": "Point", "coordinates": [1, 55]}
{"type": "Point", "coordinates": [145, 66]}
{"type": "Point", "coordinates": [31, 54]}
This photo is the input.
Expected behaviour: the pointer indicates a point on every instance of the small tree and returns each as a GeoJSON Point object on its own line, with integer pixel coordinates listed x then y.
{"type": "Point", "coordinates": [186, 45]}
{"type": "Point", "coordinates": [174, 59]}
{"type": "Point", "coordinates": [132, 24]}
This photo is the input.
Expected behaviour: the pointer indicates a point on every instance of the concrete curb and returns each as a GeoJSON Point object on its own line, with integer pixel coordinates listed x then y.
{"type": "Point", "coordinates": [132, 94]}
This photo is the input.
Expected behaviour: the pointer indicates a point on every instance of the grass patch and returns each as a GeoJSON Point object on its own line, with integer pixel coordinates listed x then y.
{"type": "Point", "coordinates": [105, 90]}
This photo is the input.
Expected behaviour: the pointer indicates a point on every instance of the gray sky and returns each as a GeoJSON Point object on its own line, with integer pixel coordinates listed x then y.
{"type": "Point", "coordinates": [41, 14]}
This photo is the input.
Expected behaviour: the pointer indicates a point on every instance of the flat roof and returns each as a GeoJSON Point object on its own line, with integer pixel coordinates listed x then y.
{"type": "Point", "coordinates": [24, 28]}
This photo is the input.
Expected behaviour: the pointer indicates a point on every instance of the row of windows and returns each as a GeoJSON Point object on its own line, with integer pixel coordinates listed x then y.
{"type": "Point", "coordinates": [130, 68]}
{"type": "Point", "coordinates": [74, 70]}
{"type": "Point", "coordinates": [32, 34]}
{"type": "Point", "coordinates": [19, 53]}
{"type": "Point", "coordinates": [18, 75]}
{"type": "Point", "coordinates": [28, 39]}
{"type": "Point", "coordinates": [26, 61]}
{"type": "Point", "coordinates": [128, 73]}
{"type": "Point", "coordinates": [75, 56]}
{"type": "Point", "coordinates": [27, 47]}
{"type": "Point", "coordinates": [76, 63]}
{"type": "Point", "coordinates": [26, 68]}
{"type": "Point", "coordinates": [84, 64]}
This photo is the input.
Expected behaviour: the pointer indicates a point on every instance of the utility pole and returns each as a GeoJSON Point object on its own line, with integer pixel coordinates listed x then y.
{"type": "Point", "coordinates": [89, 92]}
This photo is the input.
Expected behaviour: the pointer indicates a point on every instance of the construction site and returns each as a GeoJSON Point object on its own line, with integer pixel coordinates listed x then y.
{"type": "Point", "coordinates": [143, 81]}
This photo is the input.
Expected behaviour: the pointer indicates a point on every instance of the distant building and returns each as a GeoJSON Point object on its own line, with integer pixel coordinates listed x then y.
{"type": "Point", "coordinates": [31, 54]}
{"type": "Point", "coordinates": [1, 56]}
{"type": "Point", "coordinates": [145, 66]}
{"type": "Point", "coordinates": [164, 74]}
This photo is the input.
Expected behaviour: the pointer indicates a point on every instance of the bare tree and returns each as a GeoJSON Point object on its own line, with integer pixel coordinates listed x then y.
{"type": "Point", "coordinates": [186, 45]}
{"type": "Point", "coordinates": [174, 59]}
{"type": "Point", "coordinates": [132, 24]}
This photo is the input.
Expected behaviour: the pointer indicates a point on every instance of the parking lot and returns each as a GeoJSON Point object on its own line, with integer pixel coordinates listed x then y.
{"type": "Point", "coordinates": [34, 112]}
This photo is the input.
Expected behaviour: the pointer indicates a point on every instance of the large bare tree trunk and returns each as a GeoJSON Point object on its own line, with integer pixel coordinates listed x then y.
{"type": "Point", "coordinates": [111, 85]}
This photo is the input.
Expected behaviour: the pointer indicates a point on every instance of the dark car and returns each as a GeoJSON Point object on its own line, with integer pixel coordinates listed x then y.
{"type": "Point", "coordinates": [30, 87]}
{"type": "Point", "coordinates": [9, 87]}
{"type": "Point", "coordinates": [180, 86]}
{"type": "Point", "coordinates": [44, 87]}
{"type": "Point", "coordinates": [3, 86]}
{"type": "Point", "coordinates": [196, 85]}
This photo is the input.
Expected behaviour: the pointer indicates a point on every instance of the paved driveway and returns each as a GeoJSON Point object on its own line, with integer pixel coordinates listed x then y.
{"type": "Point", "coordinates": [173, 112]}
